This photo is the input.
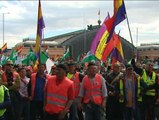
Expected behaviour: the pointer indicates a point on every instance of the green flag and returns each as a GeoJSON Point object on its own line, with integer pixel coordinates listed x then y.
{"type": "Point", "coordinates": [43, 58]}
{"type": "Point", "coordinates": [25, 61]}
{"type": "Point", "coordinates": [88, 58]}
{"type": "Point", "coordinates": [66, 55]}
{"type": "Point", "coordinates": [78, 58]}
{"type": "Point", "coordinates": [13, 56]}
{"type": "Point", "coordinates": [46, 60]}
{"type": "Point", "coordinates": [3, 59]}
{"type": "Point", "coordinates": [29, 58]}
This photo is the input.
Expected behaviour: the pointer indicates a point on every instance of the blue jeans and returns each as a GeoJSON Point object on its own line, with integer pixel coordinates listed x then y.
{"type": "Point", "coordinates": [93, 112]}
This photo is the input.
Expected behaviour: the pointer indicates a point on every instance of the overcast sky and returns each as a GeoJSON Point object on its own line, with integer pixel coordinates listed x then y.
{"type": "Point", "coordinates": [65, 16]}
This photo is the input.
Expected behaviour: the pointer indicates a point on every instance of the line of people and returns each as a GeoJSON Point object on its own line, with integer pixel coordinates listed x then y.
{"type": "Point", "coordinates": [69, 94]}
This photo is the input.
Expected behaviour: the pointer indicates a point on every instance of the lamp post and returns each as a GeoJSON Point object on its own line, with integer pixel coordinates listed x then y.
{"type": "Point", "coordinates": [3, 24]}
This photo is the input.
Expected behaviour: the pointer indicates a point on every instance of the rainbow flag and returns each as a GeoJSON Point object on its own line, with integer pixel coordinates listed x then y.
{"type": "Point", "coordinates": [40, 26]}
{"type": "Point", "coordinates": [4, 48]}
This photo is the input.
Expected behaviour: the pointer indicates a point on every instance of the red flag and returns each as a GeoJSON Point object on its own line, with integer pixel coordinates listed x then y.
{"type": "Point", "coordinates": [117, 53]}
{"type": "Point", "coordinates": [119, 16]}
{"type": "Point", "coordinates": [112, 44]}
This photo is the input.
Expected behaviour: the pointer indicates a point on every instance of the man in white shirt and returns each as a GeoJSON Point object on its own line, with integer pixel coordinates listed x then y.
{"type": "Point", "coordinates": [24, 103]}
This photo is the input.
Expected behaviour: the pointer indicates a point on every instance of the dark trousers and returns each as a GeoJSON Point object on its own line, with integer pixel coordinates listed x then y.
{"type": "Point", "coordinates": [93, 112]}
{"type": "Point", "coordinates": [73, 114]}
{"type": "Point", "coordinates": [138, 112]}
{"type": "Point", "coordinates": [23, 108]}
{"type": "Point", "coordinates": [36, 110]}
{"type": "Point", "coordinates": [80, 114]}
{"type": "Point", "coordinates": [131, 114]}
{"type": "Point", "coordinates": [128, 113]}
{"type": "Point", "coordinates": [53, 117]}
{"type": "Point", "coordinates": [148, 108]}
{"type": "Point", "coordinates": [114, 110]}
{"type": "Point", "coordinates": [11, 110]}
{"type": "Point", "coordinates": [157, 112]}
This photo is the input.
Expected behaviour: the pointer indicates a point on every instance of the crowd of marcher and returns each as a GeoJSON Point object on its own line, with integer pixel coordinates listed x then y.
{"type": "Point", "coordinates": [95, 91]}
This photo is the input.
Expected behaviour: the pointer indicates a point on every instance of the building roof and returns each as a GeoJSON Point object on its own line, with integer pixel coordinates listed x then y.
{"type": "Point", "coordinates": [148, 46]}
{"type": "Point", "coordinates": [33, 43]}
{"type": "Point", "coordinates": [61, 38]}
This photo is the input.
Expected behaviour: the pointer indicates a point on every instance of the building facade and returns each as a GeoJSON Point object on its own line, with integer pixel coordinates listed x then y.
{"type": "Point", "coordinates": [53, 49]}
{"type": "Point", "coordinates": [151, 51]}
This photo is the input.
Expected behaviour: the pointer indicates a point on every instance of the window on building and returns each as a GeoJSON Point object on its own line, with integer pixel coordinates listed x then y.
{"type": "Point", "coordinates": [155, 49]}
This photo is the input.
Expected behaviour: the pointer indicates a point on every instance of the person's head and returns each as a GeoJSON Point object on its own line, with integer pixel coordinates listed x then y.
{"type": "Point", "coordinates": [149, 66]}
{"type": "Point", "coordinates": [122, 67]}
{"type": "Point", "coordinates": [22, 72]}
{"type": "Point", "coordinates": [78, 68]}
{"type": "Point", "coordinates": [53, 70]}
{"type": "Point", "coordinates": [9, 65]}
{"type": "Point", "coordinates": [61, 71]}
{"type": "Point", "coordinates": [129, 69]}
{"type": "Point", "coordinates": [143, 66]}
{"type": "Point", "coordinates": [29, 71]}
{"type": "Point", "coordinates": [138, 64]}
{"type": "Point", "coordinates": [92, 69]}
{"type": "Point", "coordinates": [41, 68]}
{"type": "Point", "coordinates": [102, 68]}
{"type": "Point", "coordinates": [116, 68]}
{"type": "Point", "coordinates": [71, 67]}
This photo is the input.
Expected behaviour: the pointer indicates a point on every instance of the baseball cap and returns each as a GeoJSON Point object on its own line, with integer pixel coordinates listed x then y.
{"type": "Point", "coordinates": [62, 66]}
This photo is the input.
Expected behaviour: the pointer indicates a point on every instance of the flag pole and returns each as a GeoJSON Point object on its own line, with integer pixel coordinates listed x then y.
{"type": "Point", "coordinates": [39, 54]}
{"type": "Point", "coordinates": [129, 29]}
{"type": "Point", "coordinates": [40, 30]}
{"type": "Point", "coordinates": [41, 41]}
{"type": "Point", "coordinates": [99, 14]}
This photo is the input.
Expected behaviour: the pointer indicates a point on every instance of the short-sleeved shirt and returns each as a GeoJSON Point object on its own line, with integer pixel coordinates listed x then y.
{"type": "Point", "coordinates": [24, 87]}
{"type": "Point", "coordinates": [104, 88]}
